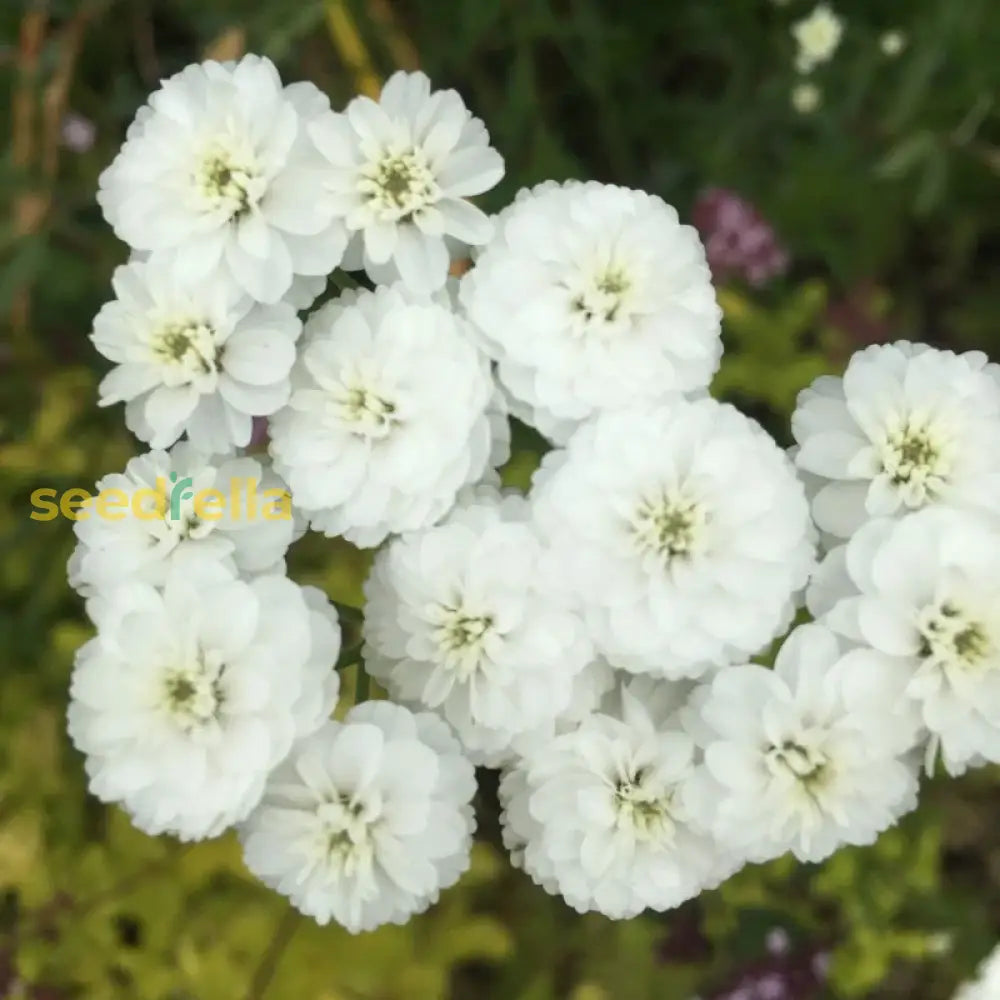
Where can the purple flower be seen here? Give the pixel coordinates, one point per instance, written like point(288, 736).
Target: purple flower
point(739, 242)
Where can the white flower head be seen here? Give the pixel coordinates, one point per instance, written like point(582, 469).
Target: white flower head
point(593, 297)
point(218, 173)
point(189, 696)
point(924, 592)
point(806, 757)
point(195, 357)
point(892, 43)
point(159, 510)
point(907, 426)
point(390, 416)
point(818, 37)
point(459, 619)
point(600, 815)
point(367, 820)
point(806, 98)
point(400, 171)
point(682, 532)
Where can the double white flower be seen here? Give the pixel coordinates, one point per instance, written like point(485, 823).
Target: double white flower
point(399, 171)
point(188, 696)
point(593, 297)
point(924, 595)
point(680, 530)
point(805, 757)
point(219, 174)
point(907, 427)
point(458, 618)
point(389, 416)
point(367, 820)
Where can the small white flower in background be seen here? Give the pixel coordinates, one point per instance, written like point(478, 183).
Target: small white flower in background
point(593, 297)
point(906, 427)
point(817, 37)
point(400, 171)
point(189, 696)
point(119, 544)
point(218, 174)
point(986, 984)
point(601, 815)
point(458, 618)
point(924, 593)
point(389, 416)
point(197, 358)
point(806, 98)
point(367, 820)
point(803, 758)
point(682, 532)
point(78, 132)
point(892, 43)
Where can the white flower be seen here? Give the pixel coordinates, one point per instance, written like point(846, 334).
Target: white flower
point(459, 618)
point(367, 820)
point(806, 98)
point(600, 815)
point(593, 297)
point(198, 356)
point(400, 171)
point(892, 43)
point(817, 37)
point(189, 696)
point(906, 426)
point(388, 418)
point(161, 512)
point(924, 591)
point(218, 173)
point(681, 530)
point(806, 757)
point(986, 984)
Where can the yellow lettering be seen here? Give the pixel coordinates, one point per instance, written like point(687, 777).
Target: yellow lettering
point(72, 503)
point(208, 505)
point(45, 507)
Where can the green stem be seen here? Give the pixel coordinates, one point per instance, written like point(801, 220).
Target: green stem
point(265, 971)
point(362, 684)
point(342, 280)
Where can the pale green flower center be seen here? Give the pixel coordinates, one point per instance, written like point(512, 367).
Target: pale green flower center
point(602, 299)
point(192, 695)
point(367, 412)
point(345, 837)
point(806, 764)
point(671, 526)
point(461, 637)
point(398, 185)
point(228, 183)
point(916, 461)
point(644, 809)
point(953, 639)
point(187, 348)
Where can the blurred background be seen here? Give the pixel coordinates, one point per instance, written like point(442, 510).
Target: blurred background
point(853, 204)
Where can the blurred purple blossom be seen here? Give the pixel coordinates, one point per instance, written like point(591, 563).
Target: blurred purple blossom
point(739, 242)
point(779, 977)
point(78, 132)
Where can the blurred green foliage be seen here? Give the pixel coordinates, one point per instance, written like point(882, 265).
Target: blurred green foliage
point(886, 198)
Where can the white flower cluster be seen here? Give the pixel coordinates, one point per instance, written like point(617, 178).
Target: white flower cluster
point(596, 639)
